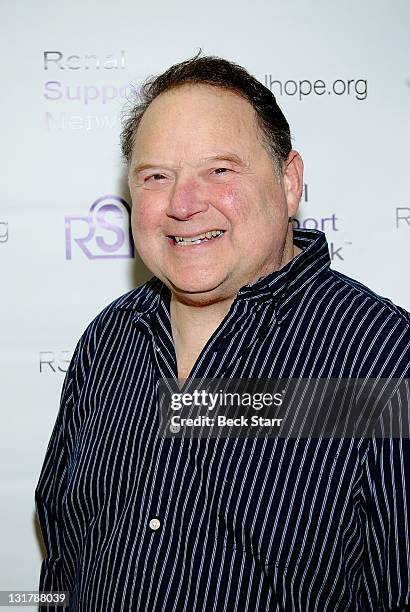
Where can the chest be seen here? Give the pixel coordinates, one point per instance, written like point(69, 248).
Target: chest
point(186, 360)
point(279, 501)
point(285, 503)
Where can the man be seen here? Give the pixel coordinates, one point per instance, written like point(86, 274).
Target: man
point(133, 520)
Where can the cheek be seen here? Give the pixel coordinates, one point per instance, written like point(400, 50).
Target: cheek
point(248, 205)
point(235, 201)
point(144, 214)
point(146, 219)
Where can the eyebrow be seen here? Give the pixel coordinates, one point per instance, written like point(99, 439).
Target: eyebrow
point(142, 167)
point(230, 157)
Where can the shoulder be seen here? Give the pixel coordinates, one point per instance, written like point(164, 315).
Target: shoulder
point(370, 330)
point(332, 296)
point(381, 305)
point(117, 315)
point(138, 299)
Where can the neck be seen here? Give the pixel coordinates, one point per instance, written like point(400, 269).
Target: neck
point(193, 325)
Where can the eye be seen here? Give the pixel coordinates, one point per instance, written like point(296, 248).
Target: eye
point(154, 177)
point(221, 174)
point(154, 181)
point(221, 170)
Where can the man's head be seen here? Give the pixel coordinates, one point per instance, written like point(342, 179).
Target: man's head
point(274, 129)
point(209, 150)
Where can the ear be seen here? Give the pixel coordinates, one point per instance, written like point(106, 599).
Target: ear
point(293, 181)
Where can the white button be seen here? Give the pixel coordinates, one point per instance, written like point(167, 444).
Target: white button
point(174, 428)
point(154, 524)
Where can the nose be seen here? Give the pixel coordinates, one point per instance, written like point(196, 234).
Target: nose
point(186, 199)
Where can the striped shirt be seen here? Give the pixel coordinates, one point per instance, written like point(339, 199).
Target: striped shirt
point(133, 521)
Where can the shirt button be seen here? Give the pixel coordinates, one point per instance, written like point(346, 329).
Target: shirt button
point(154, 524)
point(174, 428)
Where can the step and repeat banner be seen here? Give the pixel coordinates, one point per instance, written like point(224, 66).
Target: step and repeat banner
point(341, 74)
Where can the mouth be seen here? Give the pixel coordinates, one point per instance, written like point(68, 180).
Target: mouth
point(198, 239)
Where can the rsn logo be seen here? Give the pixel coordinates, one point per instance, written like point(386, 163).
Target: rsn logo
point(105, 233)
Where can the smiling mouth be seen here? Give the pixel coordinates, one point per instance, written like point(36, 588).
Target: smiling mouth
point(207, 236)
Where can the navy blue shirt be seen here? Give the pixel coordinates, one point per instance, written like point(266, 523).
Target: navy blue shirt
point(135, 521)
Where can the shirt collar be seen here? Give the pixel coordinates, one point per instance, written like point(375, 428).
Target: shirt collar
point(302, 269)
point(281, 286)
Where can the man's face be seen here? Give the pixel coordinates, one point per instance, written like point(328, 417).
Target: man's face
point(200, 173)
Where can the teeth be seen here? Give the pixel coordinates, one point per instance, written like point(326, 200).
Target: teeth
point(199, 238)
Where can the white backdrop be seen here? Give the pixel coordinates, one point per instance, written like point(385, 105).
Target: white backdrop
point(341, 74)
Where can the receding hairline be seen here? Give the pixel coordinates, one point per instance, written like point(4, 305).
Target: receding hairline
point(211, 86)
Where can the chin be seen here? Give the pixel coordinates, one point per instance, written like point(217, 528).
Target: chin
point(193, 288)
point(194, 291)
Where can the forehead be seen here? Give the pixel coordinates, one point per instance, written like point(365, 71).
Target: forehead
point(197, 115)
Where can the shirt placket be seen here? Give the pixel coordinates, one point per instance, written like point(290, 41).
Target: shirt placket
point(168, 471)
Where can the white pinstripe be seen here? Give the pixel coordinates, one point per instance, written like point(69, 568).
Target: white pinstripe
point(245, 524)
